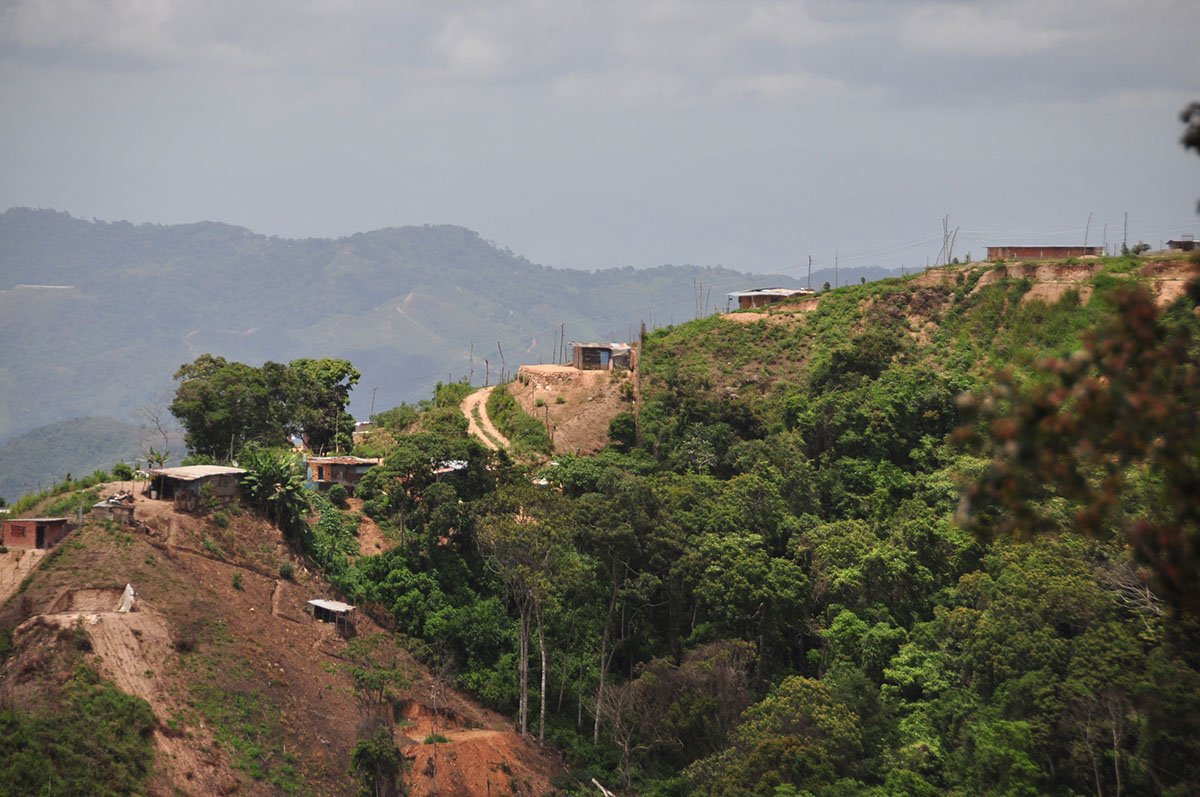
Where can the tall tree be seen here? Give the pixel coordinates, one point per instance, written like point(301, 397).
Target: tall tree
point(529, 547)
point(224, 405)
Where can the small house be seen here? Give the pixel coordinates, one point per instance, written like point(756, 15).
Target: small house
point(324, 472)
point(183, 485)
point(757, 297)
point(1042, 252)
point(1186, 243)
point(340, 614)
point(35, 532)
point(601, 356)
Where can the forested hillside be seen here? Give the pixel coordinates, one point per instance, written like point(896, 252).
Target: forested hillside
point(128, 304)
point(762, 586)
point(76, 447)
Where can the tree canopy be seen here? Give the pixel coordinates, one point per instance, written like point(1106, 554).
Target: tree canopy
point(223, 406)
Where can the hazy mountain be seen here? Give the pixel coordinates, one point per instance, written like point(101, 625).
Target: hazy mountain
point(46, 455)
point(96, 317)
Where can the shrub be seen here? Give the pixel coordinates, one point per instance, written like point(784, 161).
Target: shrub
point(375, 508)
point(560, 399)
point(122, 472)
point(286, 570)
point(237, 579)
point(337, 496)
point(435, 738)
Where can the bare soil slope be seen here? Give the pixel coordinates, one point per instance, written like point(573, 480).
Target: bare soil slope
point(246, 687)
point(578, 404)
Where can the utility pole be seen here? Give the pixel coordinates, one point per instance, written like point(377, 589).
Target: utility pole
point(1125, 235)
point(1087, 228)
point(809, 285)
point(835, 268)
point(373, 401)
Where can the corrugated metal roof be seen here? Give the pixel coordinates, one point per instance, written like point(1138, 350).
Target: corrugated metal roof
point(193, 472)
point(770, 292)
point(37, 519)
point(344, 460)
point(609, 346)
point(333, 606)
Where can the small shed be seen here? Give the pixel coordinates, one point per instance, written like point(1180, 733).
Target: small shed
point(117, 507)
point(601, 356)
point(757, 297)
point(324, 472)
point(1186, 243)
point(340, 614)
point(35, 532)
point(182, 485)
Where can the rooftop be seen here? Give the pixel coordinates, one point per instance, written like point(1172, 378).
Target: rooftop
point(332, 606)
point(193, 472)
point(770, 292)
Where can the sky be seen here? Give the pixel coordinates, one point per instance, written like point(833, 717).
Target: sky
point(614, 132)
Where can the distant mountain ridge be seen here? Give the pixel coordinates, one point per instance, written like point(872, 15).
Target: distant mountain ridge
point(409, 306)
point(45, 456)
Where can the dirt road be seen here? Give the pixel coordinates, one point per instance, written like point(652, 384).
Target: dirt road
point(482, 428)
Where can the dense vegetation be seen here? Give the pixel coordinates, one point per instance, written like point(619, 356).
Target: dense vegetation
point(767, 587)
point(766, 591)
point(80, 735)
point(225, 406)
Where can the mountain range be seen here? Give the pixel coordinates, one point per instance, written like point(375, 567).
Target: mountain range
point(96, 317)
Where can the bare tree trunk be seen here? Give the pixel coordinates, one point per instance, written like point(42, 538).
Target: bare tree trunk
point(612, 605)
point(562, 684)
point(579, 696)
point(523, 670)
point(1092, 753)
point(542, 649)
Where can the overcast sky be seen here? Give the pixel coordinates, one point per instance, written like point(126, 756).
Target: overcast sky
point(615, 132)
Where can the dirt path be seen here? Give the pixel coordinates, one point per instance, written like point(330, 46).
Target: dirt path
point(483, 428)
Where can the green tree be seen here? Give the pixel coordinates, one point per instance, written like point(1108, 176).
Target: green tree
point(799, 736)
point(274, 482)
point(527, 543)
point(224, 405)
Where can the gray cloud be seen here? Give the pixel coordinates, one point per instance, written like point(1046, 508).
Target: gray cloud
point(590, 133)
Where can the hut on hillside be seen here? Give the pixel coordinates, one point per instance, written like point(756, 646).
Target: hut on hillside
point(324, 472)
point(601, 356)
point(757, 297)
point(340, 614)
point(35, 532)
point(183, 485)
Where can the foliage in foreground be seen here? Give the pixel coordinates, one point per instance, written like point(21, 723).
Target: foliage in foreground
point(98, 740)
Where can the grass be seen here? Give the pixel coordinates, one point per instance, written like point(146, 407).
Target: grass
point(246, 724)
point(527, 434)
